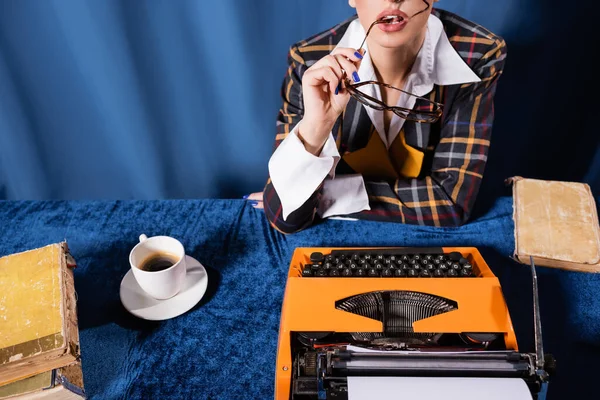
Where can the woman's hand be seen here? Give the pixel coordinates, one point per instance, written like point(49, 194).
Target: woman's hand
point(324, 95)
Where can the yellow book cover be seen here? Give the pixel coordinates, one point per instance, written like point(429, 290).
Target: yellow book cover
point(38, 316)
point(556, 223)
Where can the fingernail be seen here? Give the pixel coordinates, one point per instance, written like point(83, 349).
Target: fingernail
point(253, 202)
point(355, 76)
point(337, 89)
point(358, 55)
point(245, 196)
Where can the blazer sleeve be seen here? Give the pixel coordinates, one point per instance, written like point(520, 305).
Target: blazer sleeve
point(290, 114)
point(446, 197)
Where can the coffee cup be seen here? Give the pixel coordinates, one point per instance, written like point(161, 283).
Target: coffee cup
point(158, 265)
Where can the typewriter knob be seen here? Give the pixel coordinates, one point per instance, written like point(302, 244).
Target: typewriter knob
point(309, 338)
point(316, 257)
point(476, 337)
point(549, 364)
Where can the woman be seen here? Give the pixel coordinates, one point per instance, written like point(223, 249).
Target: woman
point(385, 116)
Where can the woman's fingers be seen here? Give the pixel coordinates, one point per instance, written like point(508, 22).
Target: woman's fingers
point(349, 67)
point(320, 76)
point(258, 196)
point(351, 54)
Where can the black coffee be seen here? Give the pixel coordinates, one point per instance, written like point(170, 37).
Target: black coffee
point(158, 261)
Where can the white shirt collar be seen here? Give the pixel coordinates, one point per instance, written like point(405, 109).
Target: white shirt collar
point(437, 63)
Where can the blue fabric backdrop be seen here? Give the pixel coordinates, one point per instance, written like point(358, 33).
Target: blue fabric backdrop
point(178, 99)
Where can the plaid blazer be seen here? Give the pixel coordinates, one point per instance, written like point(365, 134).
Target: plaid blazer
point(455, 147)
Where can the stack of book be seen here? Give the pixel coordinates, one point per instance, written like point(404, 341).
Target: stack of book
point(39, 335)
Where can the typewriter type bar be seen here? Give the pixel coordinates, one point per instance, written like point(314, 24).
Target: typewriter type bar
point(421, 323)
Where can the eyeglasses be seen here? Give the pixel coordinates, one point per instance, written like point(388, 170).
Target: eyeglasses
point(431, 115)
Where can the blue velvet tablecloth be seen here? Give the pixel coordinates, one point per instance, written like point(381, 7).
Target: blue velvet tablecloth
point(225, 347)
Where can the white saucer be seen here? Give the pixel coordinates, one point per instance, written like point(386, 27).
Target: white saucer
point(142, 305)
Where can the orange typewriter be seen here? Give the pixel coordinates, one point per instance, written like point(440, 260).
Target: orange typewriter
point(397, 312)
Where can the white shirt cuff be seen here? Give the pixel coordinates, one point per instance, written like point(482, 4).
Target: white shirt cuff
point(296, 173)
point(343, 195)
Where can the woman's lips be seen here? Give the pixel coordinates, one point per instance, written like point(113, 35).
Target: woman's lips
point(392, 20)
point(396, 25)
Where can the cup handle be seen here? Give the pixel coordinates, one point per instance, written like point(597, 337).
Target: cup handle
point(143, 237)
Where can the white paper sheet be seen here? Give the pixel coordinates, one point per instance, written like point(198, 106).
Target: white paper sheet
point(423, 388)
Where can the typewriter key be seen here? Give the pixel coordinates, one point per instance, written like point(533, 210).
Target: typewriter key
point(361, 272)
point(316, 257)
point(387, 273)
point(373, 272)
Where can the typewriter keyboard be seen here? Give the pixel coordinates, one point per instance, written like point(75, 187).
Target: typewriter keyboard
point(388, 264)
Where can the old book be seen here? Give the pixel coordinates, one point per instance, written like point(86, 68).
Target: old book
point(38, 316)
point(556, 223)
point(65, 383)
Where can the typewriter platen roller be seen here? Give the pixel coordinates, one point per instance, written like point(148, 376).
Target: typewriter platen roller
point(396, 312)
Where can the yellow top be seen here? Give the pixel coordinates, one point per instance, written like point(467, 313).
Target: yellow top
point(375, 161)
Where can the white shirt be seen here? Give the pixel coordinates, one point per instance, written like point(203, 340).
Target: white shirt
point(296, 173)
